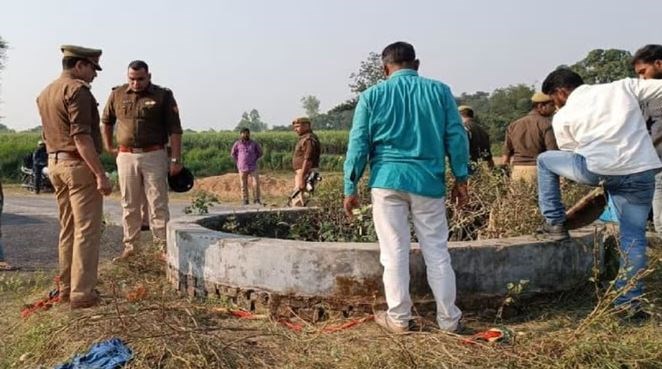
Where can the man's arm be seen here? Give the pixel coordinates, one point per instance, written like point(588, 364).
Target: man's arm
point(565, 139)
point(457, 148)
point(508, 149)
point(356, 158)
point(259, 150)
point(80, 115)
point(107, 136)
point(233, 152)
point(108, 119)
point(550, 140)
point(176, 153)
point(647, 90)
point(87, 151)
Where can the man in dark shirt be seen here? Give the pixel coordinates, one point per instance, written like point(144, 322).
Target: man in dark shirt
point(146, 118)
point(39, 161)
point(306, 157)
point(529, 136)
point(479, 140)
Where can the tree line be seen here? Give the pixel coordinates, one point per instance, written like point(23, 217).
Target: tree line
point(494, 110)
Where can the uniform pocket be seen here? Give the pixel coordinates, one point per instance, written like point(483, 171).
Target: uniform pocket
point(80, 174)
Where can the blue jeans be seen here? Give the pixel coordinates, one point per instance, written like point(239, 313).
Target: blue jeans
point(631, 195)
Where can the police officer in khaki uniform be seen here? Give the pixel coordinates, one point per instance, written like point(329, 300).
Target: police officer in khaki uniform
point(70, 121)
point(529, 136)
point(306, 157)
point(146, 117)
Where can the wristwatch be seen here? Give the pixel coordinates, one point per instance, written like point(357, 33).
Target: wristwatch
point(175, 161)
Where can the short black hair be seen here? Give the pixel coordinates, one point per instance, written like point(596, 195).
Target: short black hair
point(561, 78)
point(69, 62)
point(467, 113)
point(399, 53)
point(647, 54)
point(244, 130)
point(138, 65)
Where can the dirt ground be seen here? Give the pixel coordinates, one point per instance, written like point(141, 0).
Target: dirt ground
point(227, 188)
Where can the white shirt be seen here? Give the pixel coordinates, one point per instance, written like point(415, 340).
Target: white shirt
point(605, 125)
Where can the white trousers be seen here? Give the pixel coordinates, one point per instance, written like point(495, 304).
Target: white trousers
point(391, 210)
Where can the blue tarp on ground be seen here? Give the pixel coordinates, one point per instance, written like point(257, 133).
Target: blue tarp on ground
point(111, 354)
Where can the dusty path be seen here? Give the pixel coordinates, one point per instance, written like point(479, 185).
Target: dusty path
point(30, 228)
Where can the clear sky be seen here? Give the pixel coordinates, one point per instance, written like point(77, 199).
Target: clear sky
point(222, 58)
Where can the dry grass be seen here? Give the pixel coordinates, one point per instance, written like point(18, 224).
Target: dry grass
point(577, 329)
point(574, 330)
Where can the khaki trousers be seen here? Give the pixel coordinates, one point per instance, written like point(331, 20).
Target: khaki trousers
point(80, 206)
point(244, 176)
point(526, 173)
point(143, 175)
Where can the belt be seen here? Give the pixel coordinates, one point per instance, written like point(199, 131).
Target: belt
point(141, 149)
point(65, 155)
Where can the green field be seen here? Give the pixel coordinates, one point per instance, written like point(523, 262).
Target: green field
point(205, 153)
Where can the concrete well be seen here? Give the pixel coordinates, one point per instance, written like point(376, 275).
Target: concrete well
point(268, 273)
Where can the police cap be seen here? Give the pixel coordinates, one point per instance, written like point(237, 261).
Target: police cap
point(91, 55)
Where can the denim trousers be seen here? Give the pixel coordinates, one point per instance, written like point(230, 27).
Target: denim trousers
point(631, 196)
point(391, 210)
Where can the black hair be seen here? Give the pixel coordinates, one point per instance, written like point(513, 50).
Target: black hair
point(69, 62)
point(467, 113)
point(244, 130)
point(138, 65)
point(561, 78)
point(400, 53)
point(647, 54)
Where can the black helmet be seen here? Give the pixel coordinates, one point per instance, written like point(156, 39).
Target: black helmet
point(182, 182)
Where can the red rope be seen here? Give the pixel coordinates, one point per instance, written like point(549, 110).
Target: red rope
point(45, 303)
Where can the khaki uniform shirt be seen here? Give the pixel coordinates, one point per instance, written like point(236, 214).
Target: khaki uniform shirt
point(143, 118)
point(479, 142)
point(308, 148)
point(67, 108)
point(527, 137)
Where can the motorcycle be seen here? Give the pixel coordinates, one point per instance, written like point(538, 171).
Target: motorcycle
point(27, 180)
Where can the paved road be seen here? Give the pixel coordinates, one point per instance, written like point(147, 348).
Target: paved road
point(30, 228)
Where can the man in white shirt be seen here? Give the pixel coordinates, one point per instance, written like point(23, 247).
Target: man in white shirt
point(602, 136)
point(647, 63)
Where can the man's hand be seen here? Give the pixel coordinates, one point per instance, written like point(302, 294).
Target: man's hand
point(350, 203)
point(460, 194)
point(104, 185)
point(112, 151)
point(175, 168)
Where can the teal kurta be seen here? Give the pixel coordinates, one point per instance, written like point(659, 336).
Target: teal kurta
point(405, 127)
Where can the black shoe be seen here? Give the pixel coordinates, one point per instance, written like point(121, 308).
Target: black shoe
point(144, 227)
point(257, 202)
point(556, 232)
point(245, 202)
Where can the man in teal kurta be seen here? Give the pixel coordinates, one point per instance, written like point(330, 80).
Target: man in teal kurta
point(406, 127)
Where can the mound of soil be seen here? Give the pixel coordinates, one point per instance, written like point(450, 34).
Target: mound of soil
point(227, 186)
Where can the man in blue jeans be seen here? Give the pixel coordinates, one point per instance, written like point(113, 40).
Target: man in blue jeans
point(602, 136)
